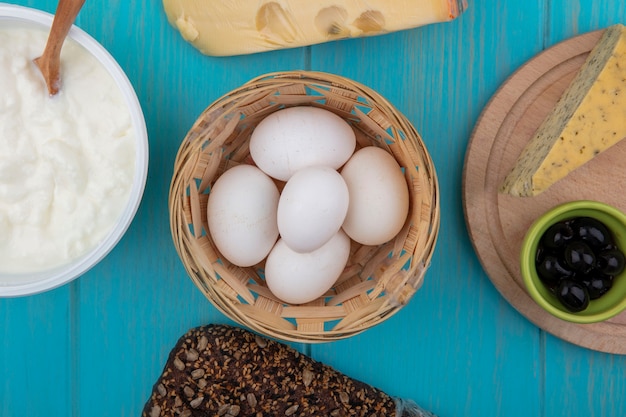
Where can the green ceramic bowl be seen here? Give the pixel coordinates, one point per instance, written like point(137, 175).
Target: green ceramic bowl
point(603, 308)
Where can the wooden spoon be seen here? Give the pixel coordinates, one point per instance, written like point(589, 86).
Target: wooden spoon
point(50, 60)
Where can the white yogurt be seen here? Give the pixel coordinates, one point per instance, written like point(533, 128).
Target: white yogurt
point(66, 162)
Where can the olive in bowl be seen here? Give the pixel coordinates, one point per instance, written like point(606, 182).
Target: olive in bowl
point(573, 264)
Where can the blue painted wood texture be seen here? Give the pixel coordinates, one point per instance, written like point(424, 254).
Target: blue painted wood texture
point(94, 347)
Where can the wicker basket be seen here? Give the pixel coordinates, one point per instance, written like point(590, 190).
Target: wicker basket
point(377, 281)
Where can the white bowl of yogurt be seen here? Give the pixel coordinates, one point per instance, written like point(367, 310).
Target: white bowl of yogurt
point(73, 167)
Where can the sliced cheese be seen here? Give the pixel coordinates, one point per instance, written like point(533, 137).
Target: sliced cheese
point(235, 27)
point(588, 119)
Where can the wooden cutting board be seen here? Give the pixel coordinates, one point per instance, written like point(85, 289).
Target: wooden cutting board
point(497, 222)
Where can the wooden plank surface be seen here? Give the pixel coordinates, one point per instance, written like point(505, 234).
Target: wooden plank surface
point(35, 354)
point(94, 347)
point(444, 74)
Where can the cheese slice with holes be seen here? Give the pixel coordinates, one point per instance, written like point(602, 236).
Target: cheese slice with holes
point(235, 27)
point(588, 119)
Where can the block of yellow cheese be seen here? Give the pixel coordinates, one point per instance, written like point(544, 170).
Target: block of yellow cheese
point(588, 119)
point(235, 27)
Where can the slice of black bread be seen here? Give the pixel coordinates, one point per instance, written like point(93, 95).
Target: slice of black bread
point(219, 370)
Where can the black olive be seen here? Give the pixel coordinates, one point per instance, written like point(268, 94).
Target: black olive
point(611, 261)
point(592, 231)
point(597, 284)
point(572, 295)
point(557, 235)
point(579, 257)
point(551, 269)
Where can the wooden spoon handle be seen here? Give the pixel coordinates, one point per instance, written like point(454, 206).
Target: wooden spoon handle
point(50, 60)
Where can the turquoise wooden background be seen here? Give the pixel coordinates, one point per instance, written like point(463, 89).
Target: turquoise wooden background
point(94, 347)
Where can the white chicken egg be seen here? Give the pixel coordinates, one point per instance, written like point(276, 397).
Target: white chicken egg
point(297, 137)
point(241, 214)
point(299, 278)
point(379, 196)
point(312, 208)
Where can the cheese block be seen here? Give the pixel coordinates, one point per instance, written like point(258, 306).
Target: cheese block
point(588, 119)
point(235, 27)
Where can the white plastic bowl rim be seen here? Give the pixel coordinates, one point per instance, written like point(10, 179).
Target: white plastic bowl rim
point(12, 285)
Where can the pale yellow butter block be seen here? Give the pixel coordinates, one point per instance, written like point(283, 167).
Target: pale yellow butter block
point(237, 27)
point(588, 119)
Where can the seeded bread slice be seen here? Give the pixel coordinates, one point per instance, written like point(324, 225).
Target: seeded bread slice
point(226, 371)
